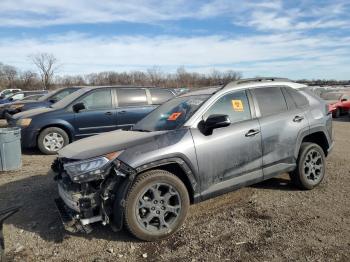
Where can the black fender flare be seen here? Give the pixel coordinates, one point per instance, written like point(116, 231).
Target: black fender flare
point(173, 160)
point(302, 134)
point(305, 133)
point(123, 187)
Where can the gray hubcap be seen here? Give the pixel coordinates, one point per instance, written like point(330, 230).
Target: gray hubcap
point(53, 141)
point(158, 207)
point(313, 166)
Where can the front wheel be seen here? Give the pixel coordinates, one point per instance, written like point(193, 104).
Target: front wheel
point(52, 139)
point(310, 169)
point(2, 254)
point(156, 205)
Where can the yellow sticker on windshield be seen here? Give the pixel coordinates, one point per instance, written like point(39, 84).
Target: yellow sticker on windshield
point(237, 105)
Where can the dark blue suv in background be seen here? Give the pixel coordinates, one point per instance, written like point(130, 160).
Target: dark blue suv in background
point(86, 112)
point(47, 100)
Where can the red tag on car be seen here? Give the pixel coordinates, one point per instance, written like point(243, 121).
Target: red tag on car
point(174, 116)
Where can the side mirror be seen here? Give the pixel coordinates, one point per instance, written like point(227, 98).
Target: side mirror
point(78, 107)
point(213, 122)
point(52, 101)
point(343, 100)
point(11, 99)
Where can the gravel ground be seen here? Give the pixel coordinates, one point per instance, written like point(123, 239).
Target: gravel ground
point(271, 221)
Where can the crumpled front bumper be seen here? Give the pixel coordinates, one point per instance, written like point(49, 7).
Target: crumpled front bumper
point(71, 222)
point(76, 211)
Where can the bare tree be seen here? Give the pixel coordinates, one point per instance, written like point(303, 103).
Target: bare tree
point(29, 80)
point(10, 74)
point(47, 65)
point(155, 75)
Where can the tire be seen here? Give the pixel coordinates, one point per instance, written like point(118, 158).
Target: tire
point(336, 113)
point(2, 253)
point(144, 208)
point(2, 244)
point(310, 169)
point(59, 139)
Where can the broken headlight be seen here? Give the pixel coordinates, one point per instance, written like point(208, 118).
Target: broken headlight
point(90, 169)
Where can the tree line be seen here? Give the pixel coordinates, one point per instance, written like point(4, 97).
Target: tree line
point(46, 77)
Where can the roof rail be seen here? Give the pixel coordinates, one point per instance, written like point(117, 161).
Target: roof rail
point(258, 79)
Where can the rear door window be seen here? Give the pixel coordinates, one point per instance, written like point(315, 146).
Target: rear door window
point(131, 97)
point(299, 100)
point(270, 100)
point(289, 99)
point(235, 105)
point(159, 96)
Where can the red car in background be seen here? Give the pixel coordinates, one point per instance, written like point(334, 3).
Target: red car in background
point(338, 102)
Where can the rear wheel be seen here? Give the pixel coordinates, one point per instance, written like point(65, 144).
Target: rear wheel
point(52, 139)
point(156, 205)
point(310, 169)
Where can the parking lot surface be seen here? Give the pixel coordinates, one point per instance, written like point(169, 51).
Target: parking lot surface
point(269, 221)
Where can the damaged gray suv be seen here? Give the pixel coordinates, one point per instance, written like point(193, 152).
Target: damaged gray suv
point(192, 148)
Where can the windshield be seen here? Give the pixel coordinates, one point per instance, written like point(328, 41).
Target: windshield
point(14, 95)
point(48, 95)
point(57, 95)
point(8, 93)
point(69, 99)
point(172, 114)
point(5, 92)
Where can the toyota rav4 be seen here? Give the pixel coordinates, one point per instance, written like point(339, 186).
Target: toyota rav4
point(192, 148)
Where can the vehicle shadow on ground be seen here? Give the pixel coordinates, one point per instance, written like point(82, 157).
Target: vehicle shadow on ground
point(277, 183)
point(38, 214)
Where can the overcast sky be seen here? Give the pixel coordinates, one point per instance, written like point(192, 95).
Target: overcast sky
point(296, 38)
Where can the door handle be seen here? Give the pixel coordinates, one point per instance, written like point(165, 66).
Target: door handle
point(108, 113)
point(298, 118)
point(122, 112)
point(252, 132)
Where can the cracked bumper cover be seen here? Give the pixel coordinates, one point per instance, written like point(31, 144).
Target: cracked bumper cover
point(76, 211)
point(72, 223)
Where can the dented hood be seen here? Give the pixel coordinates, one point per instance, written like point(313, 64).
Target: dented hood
point(105, 143)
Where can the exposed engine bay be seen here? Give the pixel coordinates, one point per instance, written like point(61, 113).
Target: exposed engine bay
point(93, 196)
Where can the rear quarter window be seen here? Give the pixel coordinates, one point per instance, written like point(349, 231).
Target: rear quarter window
point(160, 96)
